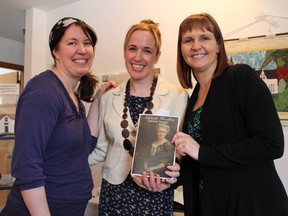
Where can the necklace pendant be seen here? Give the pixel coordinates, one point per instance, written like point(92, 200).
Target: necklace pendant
point(131, 151)
point(133, 133)
point(124, 124)
point(127, 144)
point(149, 105)
point(125, 133)
point(148, 112)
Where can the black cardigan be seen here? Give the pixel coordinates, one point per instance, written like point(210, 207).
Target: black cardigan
point(242, 135)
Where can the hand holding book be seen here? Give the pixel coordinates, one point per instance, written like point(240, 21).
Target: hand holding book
point(154, 182)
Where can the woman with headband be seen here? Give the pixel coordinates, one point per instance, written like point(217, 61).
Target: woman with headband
point(52, 134)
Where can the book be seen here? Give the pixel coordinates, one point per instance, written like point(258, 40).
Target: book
point(153, 149)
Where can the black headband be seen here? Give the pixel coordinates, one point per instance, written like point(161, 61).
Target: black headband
point(60, 27)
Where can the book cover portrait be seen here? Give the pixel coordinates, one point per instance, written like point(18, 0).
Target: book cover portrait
point(153, 149)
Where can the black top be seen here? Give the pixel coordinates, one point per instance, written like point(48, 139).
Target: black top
point(241, 136)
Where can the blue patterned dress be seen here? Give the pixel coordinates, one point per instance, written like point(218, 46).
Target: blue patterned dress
point(128, 198)
point(194, 130)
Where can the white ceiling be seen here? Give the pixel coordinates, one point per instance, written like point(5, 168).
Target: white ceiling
point(12, 15)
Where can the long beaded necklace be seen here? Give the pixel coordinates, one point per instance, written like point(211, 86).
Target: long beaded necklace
point(124, 123)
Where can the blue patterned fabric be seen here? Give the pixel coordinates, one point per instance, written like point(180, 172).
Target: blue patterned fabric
point(194, 126)
point(194, 130)
point(137, 106)
point(128, 198)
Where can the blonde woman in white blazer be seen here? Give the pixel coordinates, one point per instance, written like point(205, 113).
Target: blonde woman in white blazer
point(122, 194)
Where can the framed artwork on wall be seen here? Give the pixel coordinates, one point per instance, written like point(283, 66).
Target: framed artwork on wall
point(268, 55)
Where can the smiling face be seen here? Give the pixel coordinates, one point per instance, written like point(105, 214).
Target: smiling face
point(199, 49)
point(140, 55)
point(74, 53)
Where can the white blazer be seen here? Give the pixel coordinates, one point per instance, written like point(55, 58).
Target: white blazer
point(168, 98)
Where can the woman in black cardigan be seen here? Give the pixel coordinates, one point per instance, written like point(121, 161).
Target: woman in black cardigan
point(231, 134)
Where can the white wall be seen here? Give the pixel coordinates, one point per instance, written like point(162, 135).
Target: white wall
point(36, 43)
point(112, 18)
point(11, 51)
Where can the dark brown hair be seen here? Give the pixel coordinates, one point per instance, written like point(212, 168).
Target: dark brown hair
point(201, 21)
point(88, 82)
point(59, 29)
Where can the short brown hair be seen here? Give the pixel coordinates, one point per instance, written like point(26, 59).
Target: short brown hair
point(202, 21)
